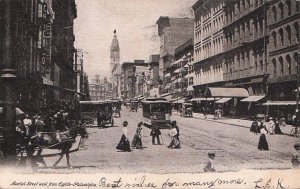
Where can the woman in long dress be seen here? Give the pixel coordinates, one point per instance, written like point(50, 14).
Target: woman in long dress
point(137, 139)
point(124, 144)
point(263, 144)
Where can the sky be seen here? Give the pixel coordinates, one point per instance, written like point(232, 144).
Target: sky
point(135, 23)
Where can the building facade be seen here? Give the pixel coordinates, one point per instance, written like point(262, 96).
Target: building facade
point(208, 45)
point(100, 89)
point(172, 32)
point(153, 80)
point(132, 77)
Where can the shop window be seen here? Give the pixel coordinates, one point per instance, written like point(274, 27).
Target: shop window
point(281, 10)
point(289, 64)
point(288, 3)
point(281, 66)
point(296, 26)
point(281, 36)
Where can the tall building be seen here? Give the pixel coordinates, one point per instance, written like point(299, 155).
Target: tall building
point(208, 44)
point(114, 55)
point(172, 32)
point(100, 89)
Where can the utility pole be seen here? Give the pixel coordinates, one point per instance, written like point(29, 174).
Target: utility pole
point(8, 79)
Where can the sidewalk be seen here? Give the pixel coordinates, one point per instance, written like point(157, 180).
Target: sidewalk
point(233, 121)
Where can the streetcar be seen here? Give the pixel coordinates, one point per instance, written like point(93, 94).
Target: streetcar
point(90, 109)
point(157, 111)
point(187, 110)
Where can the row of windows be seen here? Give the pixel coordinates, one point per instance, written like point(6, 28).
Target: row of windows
point(237, 8)
point(278, 65)
point(278, 10)
point(289, 32)
point(209, 75)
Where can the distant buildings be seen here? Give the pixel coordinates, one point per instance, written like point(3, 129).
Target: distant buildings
point(100, 89)
point(133, 78)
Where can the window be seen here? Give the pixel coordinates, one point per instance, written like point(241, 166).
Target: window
point(281, 66)
point(288, 3)
point(281, 36)
point(274, 13)
point(289, 64)
point(289, 34)
point(281, 10)
point(296, 25)
point(274, 39)
point(296, 59)
point(274, 67)
point(261, 65)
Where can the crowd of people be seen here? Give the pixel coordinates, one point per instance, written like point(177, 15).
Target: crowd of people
point(264, 127)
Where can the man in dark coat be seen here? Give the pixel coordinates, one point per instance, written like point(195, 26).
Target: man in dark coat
point(155, 132)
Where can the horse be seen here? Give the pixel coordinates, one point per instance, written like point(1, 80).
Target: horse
point(62, 141)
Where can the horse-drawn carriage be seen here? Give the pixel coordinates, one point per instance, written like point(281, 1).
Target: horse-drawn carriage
point(187, 110)
point(134, 105)
point(97, 113)
point(50, 144)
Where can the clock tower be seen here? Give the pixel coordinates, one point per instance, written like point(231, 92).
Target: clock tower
point(114, 55)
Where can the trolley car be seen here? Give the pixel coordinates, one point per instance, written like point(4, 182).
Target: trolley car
point(157, 111)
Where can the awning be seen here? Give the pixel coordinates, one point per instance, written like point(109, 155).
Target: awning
point(188, 76)
point(205, 99)
point(228, 92)
point(186, 66)
point(168, 75)
point(181, 101)
point(253, 98)
point(166, 94)
point(190, 88)
point(222, 100)
point(279, 103)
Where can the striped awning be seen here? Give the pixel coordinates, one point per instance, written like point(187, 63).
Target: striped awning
point(228, 92)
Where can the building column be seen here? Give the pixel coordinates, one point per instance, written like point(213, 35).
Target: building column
point(8, 79)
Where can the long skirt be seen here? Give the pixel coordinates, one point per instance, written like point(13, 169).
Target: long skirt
point(277, 129)
point(124, 144)
point(263, 144)
point(136, 142)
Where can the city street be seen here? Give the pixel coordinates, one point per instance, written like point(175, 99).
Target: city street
point(235, 148)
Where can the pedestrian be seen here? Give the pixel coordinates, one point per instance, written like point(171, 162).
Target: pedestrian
point(209, 165)
point(137, 139)
point(155, 133)
point(205, 112)
point(124, 144)
point(99, 120)
point(277, 129)
point(173, 133)
point(40, 125)
point(174, 124)
point(271, 126)
point(254, 127)
point(263, 144)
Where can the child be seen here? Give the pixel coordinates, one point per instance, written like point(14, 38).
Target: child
point(209, 166)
